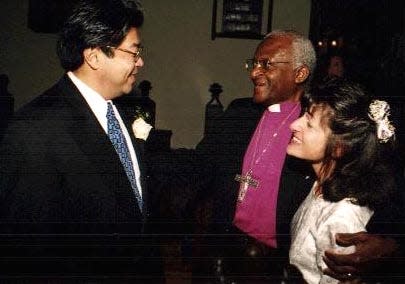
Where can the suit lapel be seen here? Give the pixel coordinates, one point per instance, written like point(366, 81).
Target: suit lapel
point(96, 146)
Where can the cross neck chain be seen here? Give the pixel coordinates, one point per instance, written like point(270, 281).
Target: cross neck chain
point(255, 160)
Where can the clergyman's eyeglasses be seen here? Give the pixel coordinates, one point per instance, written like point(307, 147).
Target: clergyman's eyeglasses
point(266, 64)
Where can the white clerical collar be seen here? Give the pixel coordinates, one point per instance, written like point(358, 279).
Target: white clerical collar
point(274, 108)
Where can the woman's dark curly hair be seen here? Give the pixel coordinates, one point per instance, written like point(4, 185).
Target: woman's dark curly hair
point(355, 164)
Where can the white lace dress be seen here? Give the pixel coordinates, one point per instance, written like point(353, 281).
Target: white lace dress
point(312, 232)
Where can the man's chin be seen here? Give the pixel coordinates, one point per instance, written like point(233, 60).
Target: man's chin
point(263, 100)
point(128, 88)
point(258, 97)
point(256, 100)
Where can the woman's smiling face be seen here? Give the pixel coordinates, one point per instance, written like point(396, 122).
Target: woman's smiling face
point(310, 135)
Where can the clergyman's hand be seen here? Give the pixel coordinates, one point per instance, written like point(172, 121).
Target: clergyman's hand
point(370, 252)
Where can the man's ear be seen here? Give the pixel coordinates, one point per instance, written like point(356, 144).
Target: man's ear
point(92, 57)
point(301, 74)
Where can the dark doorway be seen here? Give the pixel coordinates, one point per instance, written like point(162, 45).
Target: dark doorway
point(370, 33)
point(371, 36)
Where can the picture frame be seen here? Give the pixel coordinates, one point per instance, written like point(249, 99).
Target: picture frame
point(245, 19)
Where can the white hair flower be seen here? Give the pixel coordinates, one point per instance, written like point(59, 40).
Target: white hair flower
point(378, 112)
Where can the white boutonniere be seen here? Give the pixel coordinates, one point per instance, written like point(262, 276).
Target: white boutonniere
point(141, 128)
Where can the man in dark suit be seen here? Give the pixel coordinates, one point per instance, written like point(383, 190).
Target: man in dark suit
point(73, 196)
point(246, 245)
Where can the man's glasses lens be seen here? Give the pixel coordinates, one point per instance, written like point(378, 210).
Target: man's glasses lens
point(250, 64)
point(136, 54)
point(266, 64)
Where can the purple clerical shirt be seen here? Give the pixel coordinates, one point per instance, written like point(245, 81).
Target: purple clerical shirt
point(264, 158)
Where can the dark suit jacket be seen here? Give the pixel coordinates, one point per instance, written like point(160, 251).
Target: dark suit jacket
point(64, 187)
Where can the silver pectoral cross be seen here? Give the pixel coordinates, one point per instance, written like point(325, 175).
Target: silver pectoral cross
point(245, 181)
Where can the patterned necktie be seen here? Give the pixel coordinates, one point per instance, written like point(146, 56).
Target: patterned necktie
point(120, 144)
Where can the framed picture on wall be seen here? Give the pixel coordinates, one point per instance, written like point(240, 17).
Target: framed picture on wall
point(249, 19)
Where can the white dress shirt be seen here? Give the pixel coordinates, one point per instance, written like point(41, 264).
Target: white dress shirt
point(98, 106)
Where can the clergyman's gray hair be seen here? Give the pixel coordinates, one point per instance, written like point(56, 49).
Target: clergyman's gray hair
point(303, 50)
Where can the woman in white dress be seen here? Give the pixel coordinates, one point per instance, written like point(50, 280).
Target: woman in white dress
point(342, 134)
